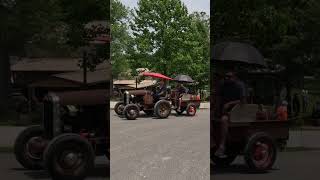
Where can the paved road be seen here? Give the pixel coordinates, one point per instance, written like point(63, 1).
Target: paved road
point(176, 148)
point(8, 135)
point(298, 165)
point(300, 162)
point(10, 169)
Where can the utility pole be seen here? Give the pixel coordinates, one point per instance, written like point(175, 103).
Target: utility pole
point(84, 66)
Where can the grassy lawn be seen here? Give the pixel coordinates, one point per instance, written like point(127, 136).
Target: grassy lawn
point(6, 149)
point(296, 149)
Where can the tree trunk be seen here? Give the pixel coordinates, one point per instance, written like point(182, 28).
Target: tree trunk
point(4, 79)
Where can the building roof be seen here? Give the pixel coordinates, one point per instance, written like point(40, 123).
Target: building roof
point(51, 64)
point(98, 76)
point(54, 82)
point(124, 82)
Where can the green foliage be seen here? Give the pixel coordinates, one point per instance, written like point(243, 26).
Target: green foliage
point(285, 31)
point(169, 40)
point(77, 13)
point(27, 21)
point(120, 39)
point(54, 26)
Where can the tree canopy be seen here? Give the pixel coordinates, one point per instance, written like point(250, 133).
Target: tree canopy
point(284, 31)
point(44, 28)
point(164, 37)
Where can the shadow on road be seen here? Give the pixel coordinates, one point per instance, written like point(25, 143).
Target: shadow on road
point(100, 171)
point(234, 169)
point(143, 116)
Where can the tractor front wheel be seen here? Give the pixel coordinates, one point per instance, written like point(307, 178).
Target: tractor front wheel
point(69, 157)
point(131, 111)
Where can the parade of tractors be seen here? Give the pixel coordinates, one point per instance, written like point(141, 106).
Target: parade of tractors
point(159, 101)
point(73, 131)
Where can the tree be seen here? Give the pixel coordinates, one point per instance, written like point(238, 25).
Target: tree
point(284, 31)
point(169, 40)
point(159, 30)
point(77, 13)
point(53, 28)
point(22, 22)
point(198, 50)
point(120, 39)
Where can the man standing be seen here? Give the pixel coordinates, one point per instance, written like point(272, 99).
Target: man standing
point(230, 94)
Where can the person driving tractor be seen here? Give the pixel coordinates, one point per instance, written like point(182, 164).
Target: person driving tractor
point(230, 94)
point(161, 90)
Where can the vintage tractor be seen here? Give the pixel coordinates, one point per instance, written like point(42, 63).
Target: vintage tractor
point(135, 101)
point(74, 130)
point(187, 101)
point(142, 100)
point(257, 140)
point(253, 131)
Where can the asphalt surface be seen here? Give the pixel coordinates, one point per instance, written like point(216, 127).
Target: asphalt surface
point(300, 161)
point(173, 149)
point(299, 165)
point(176, 148)
point(11, 169)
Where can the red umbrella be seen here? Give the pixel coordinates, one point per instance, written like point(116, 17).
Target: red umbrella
point(156, 75)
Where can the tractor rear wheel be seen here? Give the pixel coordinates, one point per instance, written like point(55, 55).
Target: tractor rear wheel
point(162, 109)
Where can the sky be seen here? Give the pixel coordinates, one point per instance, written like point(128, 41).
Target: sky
point(192, 5)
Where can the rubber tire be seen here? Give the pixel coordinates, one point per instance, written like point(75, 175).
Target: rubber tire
point(222, 162)
point(248, 152)
point(195, 109)
point(61, 143)
point(148, 112)
point(20, 150)
point(130, 107)
point(157, 109)
point(116, 108)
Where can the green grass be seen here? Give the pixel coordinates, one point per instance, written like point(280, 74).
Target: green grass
point(301, 148)
point(7, 123)
point(6, 149)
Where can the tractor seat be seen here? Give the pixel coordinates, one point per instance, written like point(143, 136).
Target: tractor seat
point(244, 113)
point(186, 97)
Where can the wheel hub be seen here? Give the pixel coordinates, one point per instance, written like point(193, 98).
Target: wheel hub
point(121, 108)
point(163, 109)
point(132, 112)
point(261, 153)
point(35, 147)
point(191, 110)
point(70, 159)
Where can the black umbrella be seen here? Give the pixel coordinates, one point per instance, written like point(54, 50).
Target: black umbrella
point(237, 52)
point(184, 78)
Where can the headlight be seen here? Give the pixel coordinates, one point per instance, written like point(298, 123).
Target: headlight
point(132, 96)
